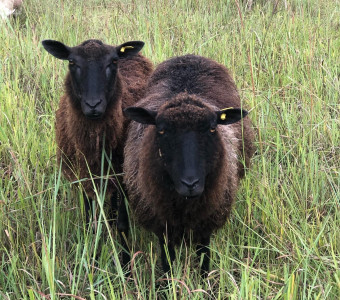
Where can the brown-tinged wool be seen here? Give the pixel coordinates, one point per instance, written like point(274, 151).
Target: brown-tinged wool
point(80, 140)
point(185, 90)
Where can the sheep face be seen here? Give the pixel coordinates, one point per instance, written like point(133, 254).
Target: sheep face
point(93, 68)
point(187, 136)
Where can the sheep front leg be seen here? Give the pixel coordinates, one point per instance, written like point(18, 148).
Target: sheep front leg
point(113, 210)
point(88, 208)
point(203, 249)
point(123, 229)
point(163, 242)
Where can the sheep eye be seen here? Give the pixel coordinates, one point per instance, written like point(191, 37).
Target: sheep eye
point(114, 61)
point(161, 131)
point(71, 62)
point(212, 130)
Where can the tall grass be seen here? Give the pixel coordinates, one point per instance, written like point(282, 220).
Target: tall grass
point(283, 238)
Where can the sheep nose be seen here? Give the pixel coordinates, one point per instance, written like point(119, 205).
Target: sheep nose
point(91, 105)
point(191, 183)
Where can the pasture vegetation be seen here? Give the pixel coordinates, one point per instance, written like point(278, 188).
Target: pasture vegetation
point(283, 239)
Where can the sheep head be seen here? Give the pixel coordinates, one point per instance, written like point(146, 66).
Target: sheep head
point(93, 69)
point(188, 140)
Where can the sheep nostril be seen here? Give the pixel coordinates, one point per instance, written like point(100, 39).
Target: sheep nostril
point(190, 183)
point(91, 105)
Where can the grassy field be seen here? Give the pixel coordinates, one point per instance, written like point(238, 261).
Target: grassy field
point(283, 239)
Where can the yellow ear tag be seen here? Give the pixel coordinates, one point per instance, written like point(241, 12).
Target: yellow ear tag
point(126, 47)
point(224, 116)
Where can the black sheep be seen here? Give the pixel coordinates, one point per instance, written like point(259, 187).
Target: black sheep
point(182, 172)
point(101, 82)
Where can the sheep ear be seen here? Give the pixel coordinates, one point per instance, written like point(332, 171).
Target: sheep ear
point(141, 115)
point(230, 115)
point(57, 49)
point(129, 48)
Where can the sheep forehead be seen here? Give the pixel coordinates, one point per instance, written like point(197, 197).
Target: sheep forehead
point(186, 112)
point(93, 50)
